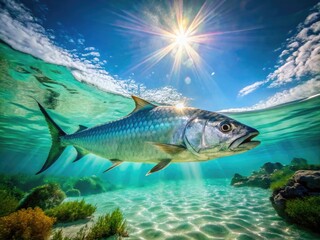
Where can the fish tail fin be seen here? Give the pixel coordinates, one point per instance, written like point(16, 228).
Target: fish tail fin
point(56, 148)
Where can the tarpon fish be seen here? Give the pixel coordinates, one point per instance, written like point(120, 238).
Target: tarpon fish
point(155, 134)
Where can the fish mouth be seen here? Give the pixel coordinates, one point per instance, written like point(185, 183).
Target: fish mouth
point(244, 143)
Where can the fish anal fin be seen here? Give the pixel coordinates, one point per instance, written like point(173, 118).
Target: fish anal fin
point(141, 104)
point(170, 149)
point(81, 128)
point(115, 163)
point(80, 153)
point(161, 165)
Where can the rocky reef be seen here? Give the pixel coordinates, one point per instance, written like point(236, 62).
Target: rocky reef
point(30, 205)
point(18, 185)
point(89, 185)
point(272, 175)
point(299, 200)
point(296, 190)
point(45, 196)
point(261, 178)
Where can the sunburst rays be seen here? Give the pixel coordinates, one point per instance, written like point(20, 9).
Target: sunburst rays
point(181, 32)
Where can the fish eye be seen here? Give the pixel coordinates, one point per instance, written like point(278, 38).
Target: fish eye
point(225, 127)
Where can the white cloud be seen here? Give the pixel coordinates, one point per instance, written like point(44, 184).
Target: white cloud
point(89, 49)
point(300, 58)
point(293, 45)
point(81, 41)
point(248, 89)
point(303, 59)
point(24, 33)
point(95, 54)
point(311, 18)
point(302, 91)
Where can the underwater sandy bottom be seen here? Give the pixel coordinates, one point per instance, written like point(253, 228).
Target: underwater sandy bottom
point(208, 209)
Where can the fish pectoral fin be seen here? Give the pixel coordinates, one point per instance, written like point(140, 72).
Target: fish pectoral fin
point(81, 128)
point(169, 148)
point(115, 163)
point(80, 153)
point(161, 165)
point(141, 103)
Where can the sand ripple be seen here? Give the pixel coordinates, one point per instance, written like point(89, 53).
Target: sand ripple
point(198, 210)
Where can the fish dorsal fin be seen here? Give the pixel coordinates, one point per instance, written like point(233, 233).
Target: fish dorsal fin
point(141, 104)
point(81, 128)
point(170, 149)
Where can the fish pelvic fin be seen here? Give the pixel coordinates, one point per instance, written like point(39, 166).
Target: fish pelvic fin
point(80, 153)
point(115, 163)
point(56, 147)
point(161, 165)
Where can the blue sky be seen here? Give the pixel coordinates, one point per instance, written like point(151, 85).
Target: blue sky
point(252, 54)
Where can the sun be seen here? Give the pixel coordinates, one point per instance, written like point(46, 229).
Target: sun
point(181, 32)
point(181, 39)
point(180, 105)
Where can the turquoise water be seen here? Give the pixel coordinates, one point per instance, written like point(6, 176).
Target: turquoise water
point(191, 200)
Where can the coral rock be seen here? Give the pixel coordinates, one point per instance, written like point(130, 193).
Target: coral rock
point(311, 179)
point(303, 185)
point(45, 197)
point(299, 161)
point(270, 167)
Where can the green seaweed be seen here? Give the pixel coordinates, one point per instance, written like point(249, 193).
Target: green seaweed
point(71, 211)
point(57, 235)
point(280, 178)
point(81, 235)
point(106, 226)
point(8, 203)
point(45, 196)
point(9, 186)
point(305, 211)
